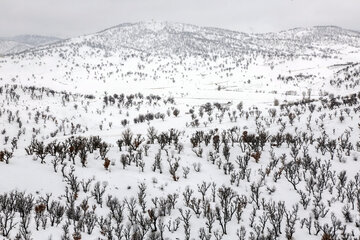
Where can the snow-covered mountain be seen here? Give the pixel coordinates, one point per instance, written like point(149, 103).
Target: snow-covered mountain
point(176, 38)
point(10, 45)
point(34, 40)
point(165, 55)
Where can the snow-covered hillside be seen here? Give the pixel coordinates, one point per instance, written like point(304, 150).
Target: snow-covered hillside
point(21, 43)
point(8, 46)
point(181, 57)
point(158, 130)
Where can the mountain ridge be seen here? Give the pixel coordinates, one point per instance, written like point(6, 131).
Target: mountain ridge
point(168, 38)
point(166, 55)
point(20, 43)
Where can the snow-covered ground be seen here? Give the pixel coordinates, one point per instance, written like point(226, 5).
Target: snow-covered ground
point(252, 136)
